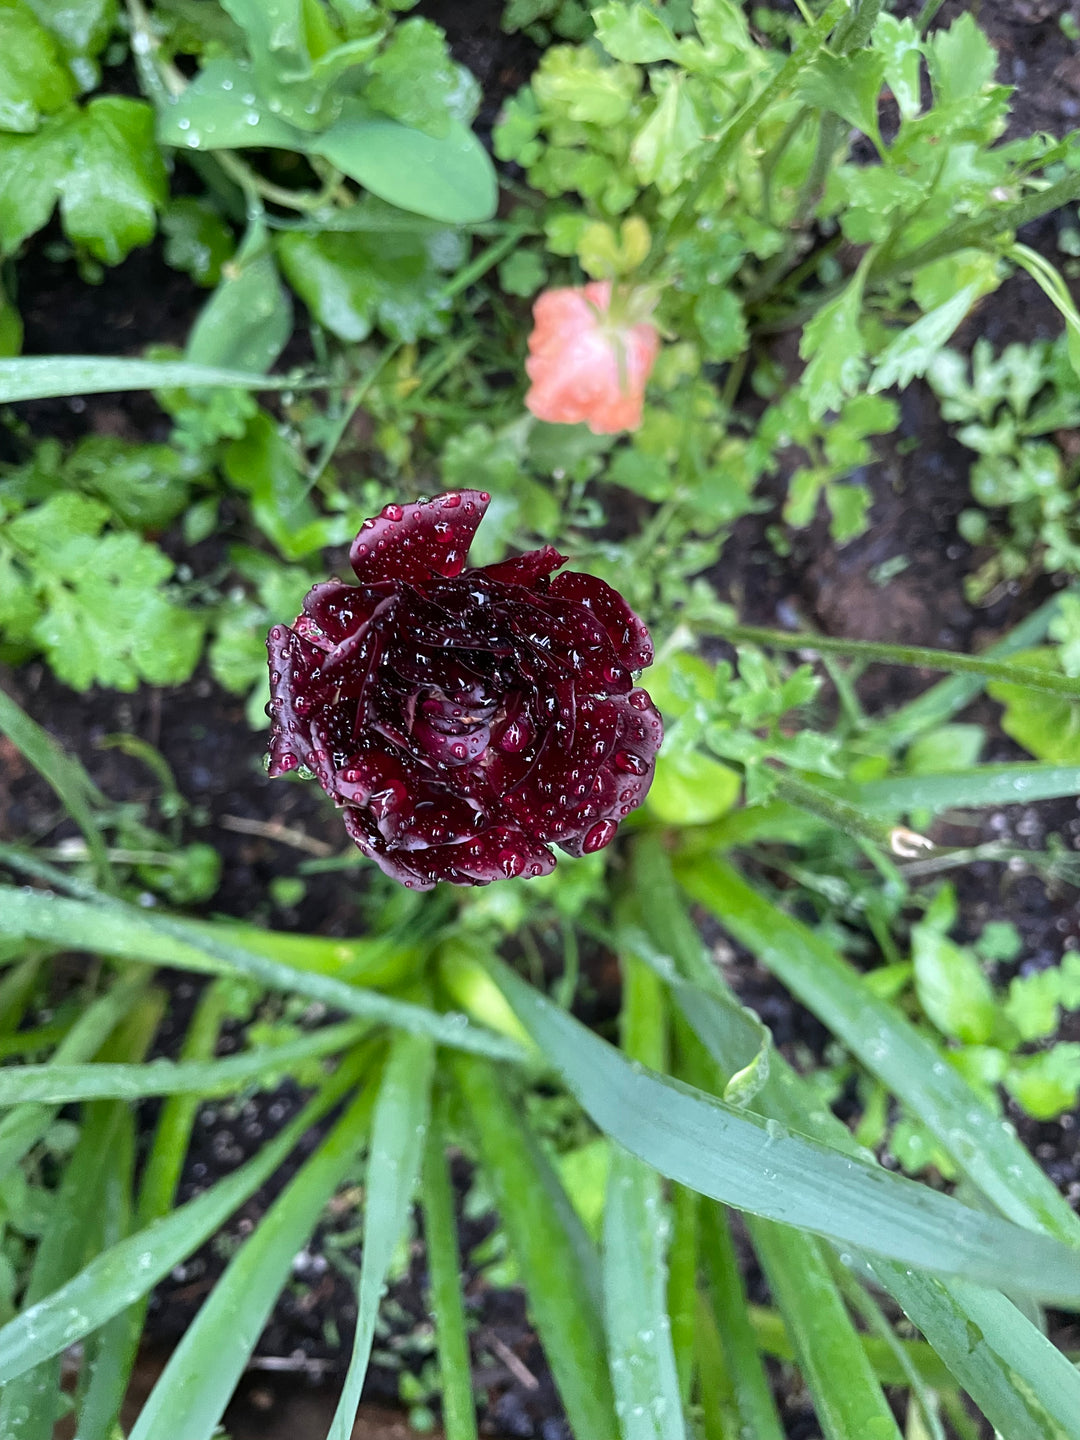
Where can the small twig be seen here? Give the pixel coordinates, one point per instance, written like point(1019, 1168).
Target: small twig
point(517, 1367)
point(276, 830)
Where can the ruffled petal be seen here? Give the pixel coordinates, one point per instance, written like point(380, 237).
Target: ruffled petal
point(416, 544)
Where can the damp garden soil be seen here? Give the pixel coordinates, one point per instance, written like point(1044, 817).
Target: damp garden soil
point(264, 831)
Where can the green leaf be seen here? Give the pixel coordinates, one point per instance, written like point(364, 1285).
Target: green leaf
point(448, 178)
point(393, 1168)
point(981, 786)
point(848, 85)
point(576, 84)
point(549, 1244)
point(1047, 1084)
point(39, 377)
point(692, 789)
point(197, 240)
point(949, 747)
point(912, 351)
point(118, 1276)
point(351, 283)
point(219, 110)
point(952, 989)
point(31, 168)
point(59, 1084)
point(739, 1158)
point(413, 79)
point(898, 41)
point(1047, 726)
point(33, 78)
point(247, 321)
point(117, 929)
point(82, 27)
point(115, 179)
point(197, 1383)
point(634, 32)
point(962, 62)
point(718, 314)
point(890, 1047)
point(635, 1289)
point(833, 344)
point(662, 150)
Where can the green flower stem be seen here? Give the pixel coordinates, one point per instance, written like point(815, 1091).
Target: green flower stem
point(927, 14)
point(834, 811)
point(916, 656)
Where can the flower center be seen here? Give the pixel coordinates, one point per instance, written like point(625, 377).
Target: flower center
point(454, 729)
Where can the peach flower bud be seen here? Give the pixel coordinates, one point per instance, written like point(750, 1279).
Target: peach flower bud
point(589, 358)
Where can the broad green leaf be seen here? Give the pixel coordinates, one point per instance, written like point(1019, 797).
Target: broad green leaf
point(691, 788)
point(949, 747)
point(34, 377)
point(953, 991)
point(188, 1400)
point(31, 169)
point(34, 80)
point(82, 28)
point(913, 350)
point(634, 33)
point(115, 179)
point(393, 1169)
point(833, 344)
point(219, 110)
point(265, 464)
point(118, 929)
point(889, 1046)
point(549, 1245)
point(60, 1084)
point(354, 282)
point(739, 1158)
point(662, 151)
point(247, 321)
point(117, 1277)
point(449, 178)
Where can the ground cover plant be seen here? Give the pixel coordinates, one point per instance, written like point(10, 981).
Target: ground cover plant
point(766, 1088)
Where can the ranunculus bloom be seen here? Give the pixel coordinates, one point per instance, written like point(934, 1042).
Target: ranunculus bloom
point(464, 720)
point(586, 362)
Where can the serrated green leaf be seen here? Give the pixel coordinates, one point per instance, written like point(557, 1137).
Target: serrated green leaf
point(82, 28)
point(912, 351)
point(962, 61)
point(634, 32)
point(1047, 726)
point(413, 79)
point(898, 41)
point(848, 85)
point(833, 344)
point(662, 149)
point(1047, 1084)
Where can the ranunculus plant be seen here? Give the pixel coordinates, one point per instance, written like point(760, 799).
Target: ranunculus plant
point(591, 352)
point(464, 719)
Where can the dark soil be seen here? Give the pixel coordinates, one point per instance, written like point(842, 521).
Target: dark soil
point(263, 830)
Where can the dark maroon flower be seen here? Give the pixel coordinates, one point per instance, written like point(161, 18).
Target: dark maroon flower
point(464, 720)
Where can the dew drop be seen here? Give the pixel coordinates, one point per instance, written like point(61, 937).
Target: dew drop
point(451, 501)
point(442, 532)
point(629, 763)
point(361, 551)
point(639, 699)
point(392, 512)
point(302, 704)
point(515, 737)
point(600, 835)
point(453, 562)
point(510, 863)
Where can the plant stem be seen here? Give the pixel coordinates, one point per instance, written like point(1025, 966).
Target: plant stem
point(927, 14)
point(917, 656)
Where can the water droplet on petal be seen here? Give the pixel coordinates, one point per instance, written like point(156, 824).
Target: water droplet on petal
point(451, 501)
point(600, 835)
point(510, 862)
point(639, 699)
point(515, 737)
point(453, 562)
point(629, 763)
point(392, 512)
